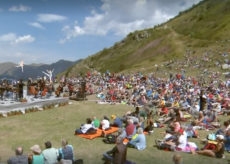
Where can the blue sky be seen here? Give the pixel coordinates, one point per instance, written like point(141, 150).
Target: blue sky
point(45, 31)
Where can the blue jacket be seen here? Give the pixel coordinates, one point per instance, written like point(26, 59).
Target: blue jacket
point(139, 141)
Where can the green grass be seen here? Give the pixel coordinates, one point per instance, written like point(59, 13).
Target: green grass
point(60, 123)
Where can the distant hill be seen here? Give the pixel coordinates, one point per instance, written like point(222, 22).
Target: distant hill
point(6, 66)
point(202, 28)
point(34, 70)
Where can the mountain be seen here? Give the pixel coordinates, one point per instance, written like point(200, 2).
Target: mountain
point(203, 28)
point(6, 66)
point(35, 70)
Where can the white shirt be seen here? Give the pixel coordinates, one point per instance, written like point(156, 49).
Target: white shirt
point(86, 127)
point(105, 124)
point(197, 108)
point(182, 141)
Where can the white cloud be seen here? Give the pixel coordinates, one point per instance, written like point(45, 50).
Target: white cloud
point(20, 8)
point(8, 37)
point(37, 25)
point(50, 18)
point(122, 17)
point(23, 39)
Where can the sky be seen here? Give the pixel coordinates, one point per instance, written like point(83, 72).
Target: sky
point(45, 31)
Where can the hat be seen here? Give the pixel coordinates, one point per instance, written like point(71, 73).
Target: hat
point(181, 131)
point(36, 148)
point(220, 137)
point(113, 117)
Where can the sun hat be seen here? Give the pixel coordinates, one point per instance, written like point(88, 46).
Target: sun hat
point(113, 117)
point(36, 149)
point(220, 137)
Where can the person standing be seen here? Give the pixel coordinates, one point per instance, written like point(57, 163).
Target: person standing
point(70, 87)
point(202, 100)
point(28, 85)
point(20, 88)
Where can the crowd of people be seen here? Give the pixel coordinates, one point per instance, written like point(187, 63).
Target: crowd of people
point(174, 100)
point(50, 155)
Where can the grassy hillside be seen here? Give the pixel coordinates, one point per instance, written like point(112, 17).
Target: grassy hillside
point(202, 28)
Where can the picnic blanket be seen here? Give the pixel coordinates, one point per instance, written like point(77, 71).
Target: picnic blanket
point(98, 134)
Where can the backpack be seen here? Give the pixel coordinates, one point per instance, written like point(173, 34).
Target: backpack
point(91, 131)
point(210, 146)
point(111, 139)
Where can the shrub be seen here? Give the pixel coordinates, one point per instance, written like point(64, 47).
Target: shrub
point(121, 67)
point(201, 17)
point(130, 34)
point(152, 60)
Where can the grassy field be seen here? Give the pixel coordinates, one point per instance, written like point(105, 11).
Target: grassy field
point(60, 123)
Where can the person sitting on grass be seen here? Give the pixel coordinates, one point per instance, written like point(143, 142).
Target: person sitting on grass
point(130, 129)
point(95, 123)
point(84, 127)
point(175, 104)
point(174, 143)
point(217, 153)
point(118, 154)
point(136, 113)
point(191, 130)
point(169, 119)
point(66, 152)
point(174, 127)
point(184, 105)
point(19, 158)
point(194, 110)
point(140, 141)
point(163, 111)
point(180, 115)
point(225, 129)
point(227, 141)
point(36, 157)
point(117, 121)
point(205, 121)
point(105, 123)
point(50, 154)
